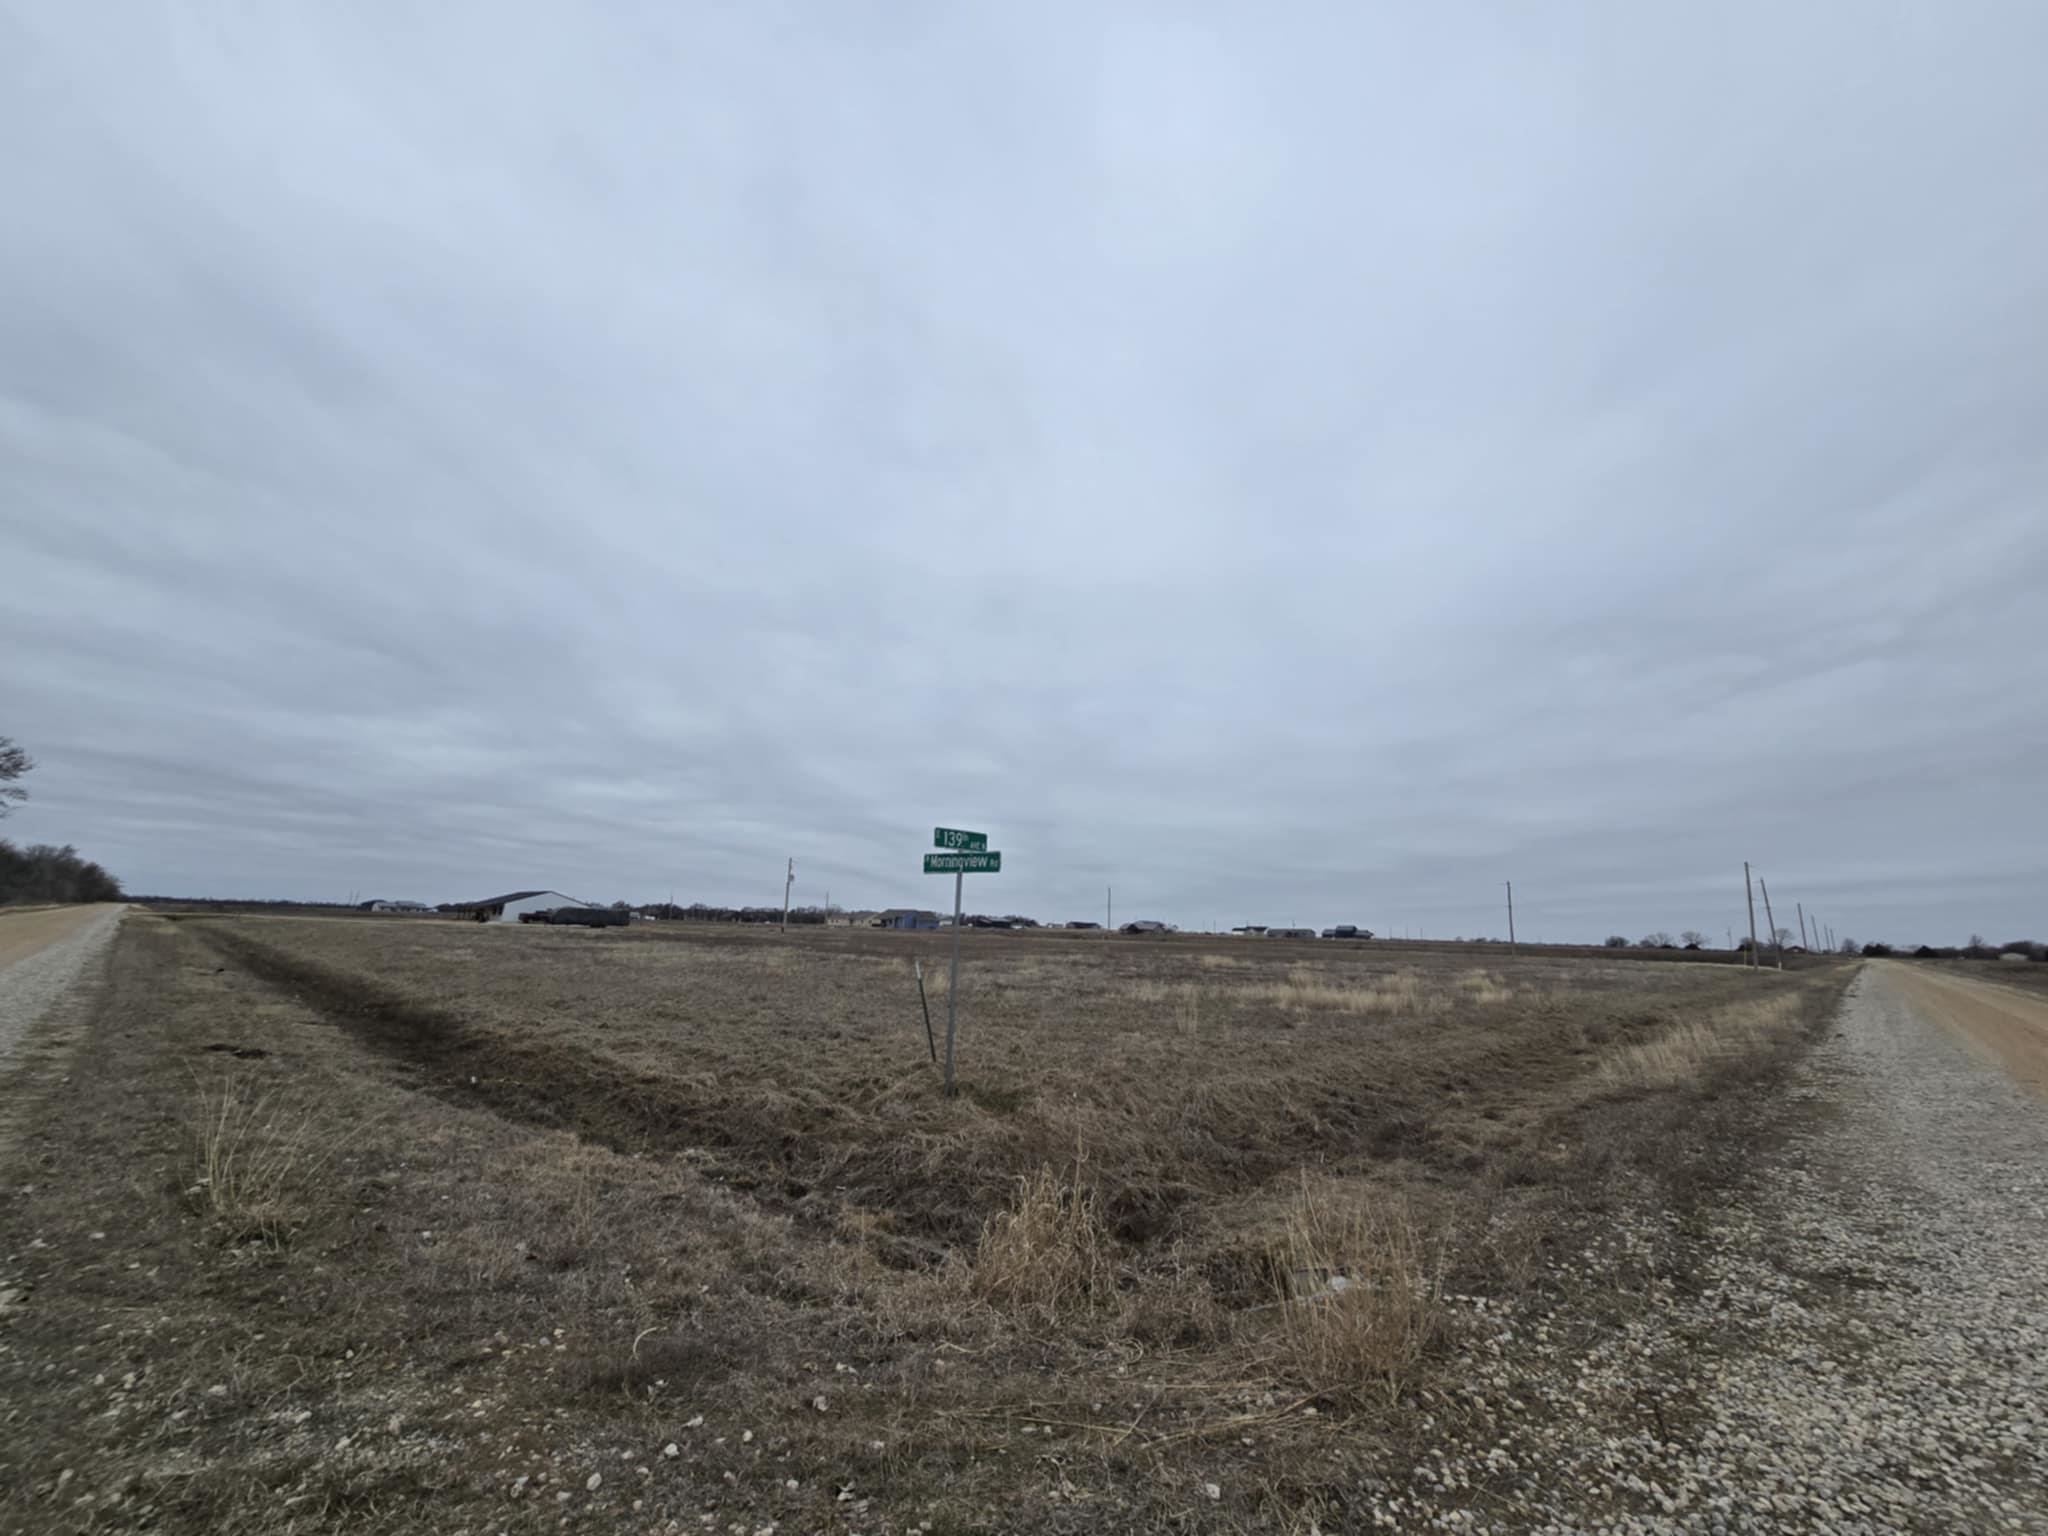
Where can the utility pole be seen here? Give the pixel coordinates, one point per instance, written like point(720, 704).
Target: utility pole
point(1777, 949)
point(1511, 916)
point(1804, 943)
point(787, 881)
point(1749, 892)
point(1108, 909)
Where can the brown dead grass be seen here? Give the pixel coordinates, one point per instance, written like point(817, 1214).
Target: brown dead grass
point(1049, 1256)
point(255, 1155)
point(1360, 1294)
point(583, 1188)
point(1691, 1050)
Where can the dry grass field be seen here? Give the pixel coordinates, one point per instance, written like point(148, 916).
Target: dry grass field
point(428, 1226)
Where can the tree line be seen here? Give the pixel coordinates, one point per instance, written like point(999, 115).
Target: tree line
point(42, 872)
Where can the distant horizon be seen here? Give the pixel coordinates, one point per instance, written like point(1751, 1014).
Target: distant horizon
point(1719, 940)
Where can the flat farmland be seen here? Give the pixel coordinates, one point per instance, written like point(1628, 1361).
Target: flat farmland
point(424, 1225)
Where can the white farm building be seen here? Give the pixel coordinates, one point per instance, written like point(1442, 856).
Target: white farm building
point(509, 907)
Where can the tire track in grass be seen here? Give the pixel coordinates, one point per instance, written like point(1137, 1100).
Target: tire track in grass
point(531, 1082)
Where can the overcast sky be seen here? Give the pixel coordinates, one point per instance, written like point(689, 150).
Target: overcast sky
point(1298, 463)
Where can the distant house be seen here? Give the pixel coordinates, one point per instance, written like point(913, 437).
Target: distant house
point(1084, 925)
point(396, 906)
point(907, 919)
point(514, 905)
point(1144, 926)
point(1290, 933)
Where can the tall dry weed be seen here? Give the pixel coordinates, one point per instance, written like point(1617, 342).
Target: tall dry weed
point(1487, 991)
point(254, 1158)
point(1360, 1296)
point(1688, 1052)
point(1404, 994)
point(1049, 1256)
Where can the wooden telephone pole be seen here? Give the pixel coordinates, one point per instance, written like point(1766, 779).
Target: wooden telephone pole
point(1777, 949)
point(1511, 917)
point(1749, 891)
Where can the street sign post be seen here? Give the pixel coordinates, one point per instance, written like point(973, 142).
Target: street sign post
point(963, 863)
point(970, 854)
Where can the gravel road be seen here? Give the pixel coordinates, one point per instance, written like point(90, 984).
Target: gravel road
point(41, 955)
point(1862, 1346)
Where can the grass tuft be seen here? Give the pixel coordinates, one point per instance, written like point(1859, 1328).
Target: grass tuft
point(253, 1157)
point(1050, 1256)
point(1692, 1051)
point(1359, 1301)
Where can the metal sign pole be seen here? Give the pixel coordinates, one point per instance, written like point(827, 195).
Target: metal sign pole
point(953, 981)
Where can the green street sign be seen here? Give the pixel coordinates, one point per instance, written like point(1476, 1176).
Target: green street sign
point(958, 841)
point(963, 863)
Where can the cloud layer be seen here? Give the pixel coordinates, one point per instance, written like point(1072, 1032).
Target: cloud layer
point(1294, 467)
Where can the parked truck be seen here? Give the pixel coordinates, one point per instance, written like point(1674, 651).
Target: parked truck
point(581, 917)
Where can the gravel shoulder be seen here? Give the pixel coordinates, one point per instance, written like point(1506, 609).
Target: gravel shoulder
point(1857, 1342)
point(44, 957)
point(42, 953)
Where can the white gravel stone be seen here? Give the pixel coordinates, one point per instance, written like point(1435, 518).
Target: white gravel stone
point(34, 983)
point(1861, 1345)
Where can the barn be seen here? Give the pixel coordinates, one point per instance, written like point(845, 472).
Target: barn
point(909, 919)
point(514, 904)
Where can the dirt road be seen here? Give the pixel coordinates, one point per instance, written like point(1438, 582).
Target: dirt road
point(23, 933)
point(2007, 1027)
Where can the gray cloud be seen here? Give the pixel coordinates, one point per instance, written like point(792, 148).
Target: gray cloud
point(1313, 466)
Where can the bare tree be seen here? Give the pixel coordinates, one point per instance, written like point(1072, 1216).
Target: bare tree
point(14, 762)
point(1655, 941)
point(1692, 938)
point(1783, 936)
